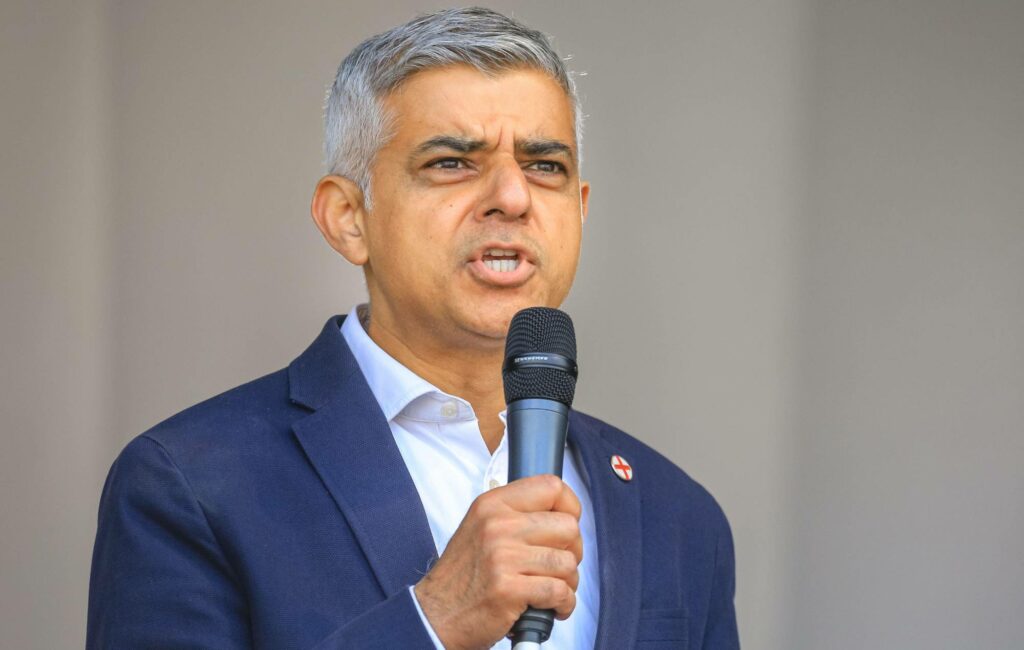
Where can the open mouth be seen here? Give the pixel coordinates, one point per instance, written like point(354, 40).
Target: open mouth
point(502, 264)
point(502, 260)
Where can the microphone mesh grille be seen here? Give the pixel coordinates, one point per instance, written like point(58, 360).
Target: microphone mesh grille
point(540, 329)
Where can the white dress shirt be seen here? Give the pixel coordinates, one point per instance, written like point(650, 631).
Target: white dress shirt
point(439, 438)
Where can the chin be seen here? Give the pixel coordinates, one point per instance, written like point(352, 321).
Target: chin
point(488, 314)
point(491, 321)
point(499, 315)
point(492, 328)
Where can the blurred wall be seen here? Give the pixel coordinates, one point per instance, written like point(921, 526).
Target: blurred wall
point(909, 484)
point(801, 277)
point(55, 314)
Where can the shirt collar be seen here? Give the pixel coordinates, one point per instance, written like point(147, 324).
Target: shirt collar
point(398, 390)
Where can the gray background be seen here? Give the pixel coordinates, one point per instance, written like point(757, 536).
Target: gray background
point(802, 278)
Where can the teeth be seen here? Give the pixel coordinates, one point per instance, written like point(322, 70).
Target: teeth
point(501, 266)
point(501, 260)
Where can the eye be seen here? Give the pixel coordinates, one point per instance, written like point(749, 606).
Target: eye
point(447, 163)
point(547, 167)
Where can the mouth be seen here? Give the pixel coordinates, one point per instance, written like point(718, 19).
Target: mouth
point(501, 260)
point(502, 265)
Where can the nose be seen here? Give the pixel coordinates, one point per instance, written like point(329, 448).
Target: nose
point(508, 193)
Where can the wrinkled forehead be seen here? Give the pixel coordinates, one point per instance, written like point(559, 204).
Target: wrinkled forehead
point(514, 106)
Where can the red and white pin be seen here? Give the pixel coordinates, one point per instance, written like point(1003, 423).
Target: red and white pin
point(621, 468)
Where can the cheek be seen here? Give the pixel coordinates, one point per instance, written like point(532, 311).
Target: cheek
point(418, 257)
point(567, 239)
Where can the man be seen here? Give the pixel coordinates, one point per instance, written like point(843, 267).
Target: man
point(357, 498)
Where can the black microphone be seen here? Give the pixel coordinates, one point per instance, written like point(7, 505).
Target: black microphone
point(539, 375)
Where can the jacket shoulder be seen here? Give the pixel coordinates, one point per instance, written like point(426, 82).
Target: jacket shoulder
point(244, 418)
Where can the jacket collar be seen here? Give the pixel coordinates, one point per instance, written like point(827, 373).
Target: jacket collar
point(349, 443)
point(316, 376)
point(619, 536)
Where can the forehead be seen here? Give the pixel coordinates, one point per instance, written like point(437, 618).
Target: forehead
point(461, 100)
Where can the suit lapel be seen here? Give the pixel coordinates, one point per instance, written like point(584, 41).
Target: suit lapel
point(617, 518)
point(349, 443)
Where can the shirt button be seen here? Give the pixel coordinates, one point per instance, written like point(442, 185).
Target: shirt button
point(493, 483)
point(449, 409)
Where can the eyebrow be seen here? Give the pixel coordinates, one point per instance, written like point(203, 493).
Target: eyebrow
point(529, 146)
point(544, 147)
point(453, 142)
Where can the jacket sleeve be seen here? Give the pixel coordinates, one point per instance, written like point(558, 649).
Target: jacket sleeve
point(720, 632)
point(160, 578)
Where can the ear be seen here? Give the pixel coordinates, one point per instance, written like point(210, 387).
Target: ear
point(584, 200)
point(339, 213)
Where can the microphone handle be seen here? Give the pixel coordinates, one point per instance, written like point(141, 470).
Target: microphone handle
point(536, 436)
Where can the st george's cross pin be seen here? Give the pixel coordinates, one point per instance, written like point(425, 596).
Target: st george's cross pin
point(621, 468)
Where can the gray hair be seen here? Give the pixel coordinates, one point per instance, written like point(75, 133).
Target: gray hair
point(356, 124)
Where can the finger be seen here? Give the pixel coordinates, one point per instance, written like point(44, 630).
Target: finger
point(568, 502)
point(550, 593)
point(548, 562)
point(562, 613)
point(531, 494)
point(576, 548)
point(554, 529)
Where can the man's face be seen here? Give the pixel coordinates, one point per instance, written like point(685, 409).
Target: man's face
point(477, 204)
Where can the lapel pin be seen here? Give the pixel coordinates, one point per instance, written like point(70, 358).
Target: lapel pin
point(621, 468)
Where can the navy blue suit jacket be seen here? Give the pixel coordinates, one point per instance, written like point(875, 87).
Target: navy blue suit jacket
point(280, 515)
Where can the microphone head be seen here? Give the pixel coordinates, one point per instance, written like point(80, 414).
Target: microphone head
point(540, 356)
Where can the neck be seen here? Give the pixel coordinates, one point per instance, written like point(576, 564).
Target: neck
point(472, 373)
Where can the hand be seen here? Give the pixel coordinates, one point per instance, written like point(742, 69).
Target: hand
point(518, 546)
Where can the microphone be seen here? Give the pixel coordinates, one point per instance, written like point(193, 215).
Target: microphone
point(539, 376)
